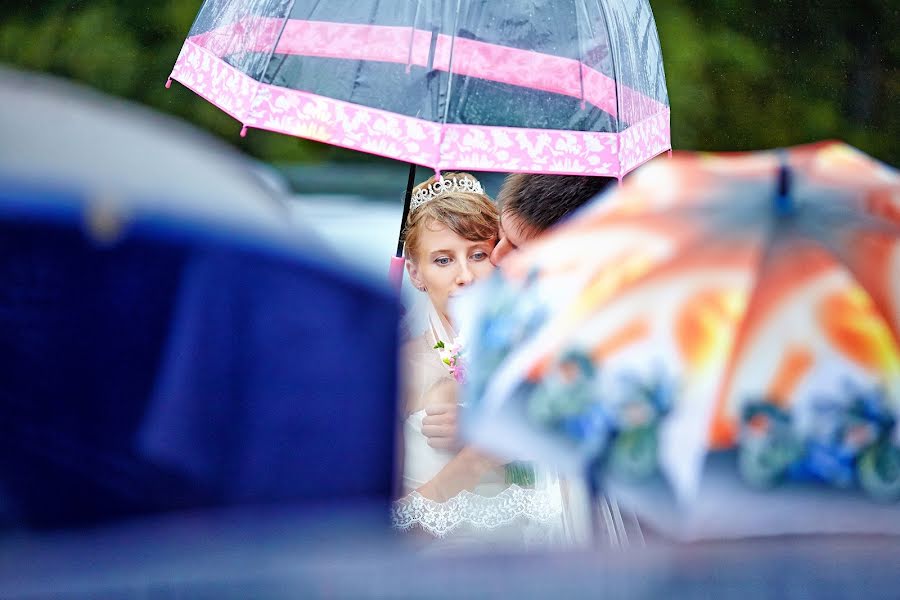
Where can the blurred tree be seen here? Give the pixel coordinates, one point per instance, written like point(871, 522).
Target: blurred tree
point(744, 76)
point(740, 75)
point(127, 48)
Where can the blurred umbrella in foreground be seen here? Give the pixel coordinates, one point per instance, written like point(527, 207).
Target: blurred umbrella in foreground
point(168, 339)
point(745, 301)
point(526, 86)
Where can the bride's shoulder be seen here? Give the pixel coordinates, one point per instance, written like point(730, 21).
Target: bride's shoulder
point(417, 346)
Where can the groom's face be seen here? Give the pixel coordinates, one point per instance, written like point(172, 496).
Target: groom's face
point(514, 233)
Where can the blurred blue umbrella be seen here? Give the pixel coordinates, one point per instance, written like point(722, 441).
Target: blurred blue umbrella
point(169, 340)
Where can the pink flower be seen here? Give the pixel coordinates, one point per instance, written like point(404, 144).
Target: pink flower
point(450, 356)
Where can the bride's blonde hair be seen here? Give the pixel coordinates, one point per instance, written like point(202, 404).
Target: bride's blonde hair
point(470, 215)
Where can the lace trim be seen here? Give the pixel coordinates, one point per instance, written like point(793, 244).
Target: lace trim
point(482, 512)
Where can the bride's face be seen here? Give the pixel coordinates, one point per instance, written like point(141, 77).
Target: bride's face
point(446, 263)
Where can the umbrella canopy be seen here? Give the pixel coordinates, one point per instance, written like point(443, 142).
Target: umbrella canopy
point(158, 315)
point(528, 86)
point(743, 302)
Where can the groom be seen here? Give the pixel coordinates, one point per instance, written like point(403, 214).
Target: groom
point(529, 205)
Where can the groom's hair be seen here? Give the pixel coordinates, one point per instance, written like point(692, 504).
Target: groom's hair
point(541, 201)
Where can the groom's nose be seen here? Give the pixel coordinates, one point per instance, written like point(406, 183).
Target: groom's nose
point(502, 248)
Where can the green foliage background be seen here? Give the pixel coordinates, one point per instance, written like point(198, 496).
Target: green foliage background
point(741, 75)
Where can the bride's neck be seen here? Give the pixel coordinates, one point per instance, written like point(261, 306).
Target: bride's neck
point(440, 325)
point(448, 326)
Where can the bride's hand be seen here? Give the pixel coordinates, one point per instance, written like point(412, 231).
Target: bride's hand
point(440, 425)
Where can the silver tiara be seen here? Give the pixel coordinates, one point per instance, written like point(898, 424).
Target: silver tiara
point(444, 186)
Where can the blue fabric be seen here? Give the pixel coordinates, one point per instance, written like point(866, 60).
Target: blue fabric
point(180, 368)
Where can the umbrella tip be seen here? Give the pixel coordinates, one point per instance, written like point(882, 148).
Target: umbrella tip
point(168, 83)
point(244, 131)
point(784, 200)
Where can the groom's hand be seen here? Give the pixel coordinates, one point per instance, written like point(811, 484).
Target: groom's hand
point(440, 423)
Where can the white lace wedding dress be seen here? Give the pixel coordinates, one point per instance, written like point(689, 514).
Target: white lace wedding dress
point(493, 513)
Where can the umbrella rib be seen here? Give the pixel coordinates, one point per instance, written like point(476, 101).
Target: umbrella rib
point(743, 329)
point(359, 64)
point(614, 55)
point(269, 57)
point(581, 64)
point(449, 82)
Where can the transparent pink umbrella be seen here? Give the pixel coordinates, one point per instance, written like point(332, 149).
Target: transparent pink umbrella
point(561, 87)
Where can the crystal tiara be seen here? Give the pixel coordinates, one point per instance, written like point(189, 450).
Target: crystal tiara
point(465, 185)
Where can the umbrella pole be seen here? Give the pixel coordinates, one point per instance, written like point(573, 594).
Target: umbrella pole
point(397, 262)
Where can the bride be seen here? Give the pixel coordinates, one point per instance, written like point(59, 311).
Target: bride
point(459, 494)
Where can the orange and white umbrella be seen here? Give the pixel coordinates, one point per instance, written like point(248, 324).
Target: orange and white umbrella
point(654, 325)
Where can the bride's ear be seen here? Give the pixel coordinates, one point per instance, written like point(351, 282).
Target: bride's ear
point(414, 276)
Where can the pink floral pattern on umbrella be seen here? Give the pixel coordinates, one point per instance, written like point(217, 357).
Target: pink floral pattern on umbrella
point(400, 137)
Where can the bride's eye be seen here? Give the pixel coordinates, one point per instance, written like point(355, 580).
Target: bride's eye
point(442, 261)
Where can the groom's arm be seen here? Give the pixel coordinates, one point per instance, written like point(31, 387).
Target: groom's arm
point(463, 472)
point(469, 466)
